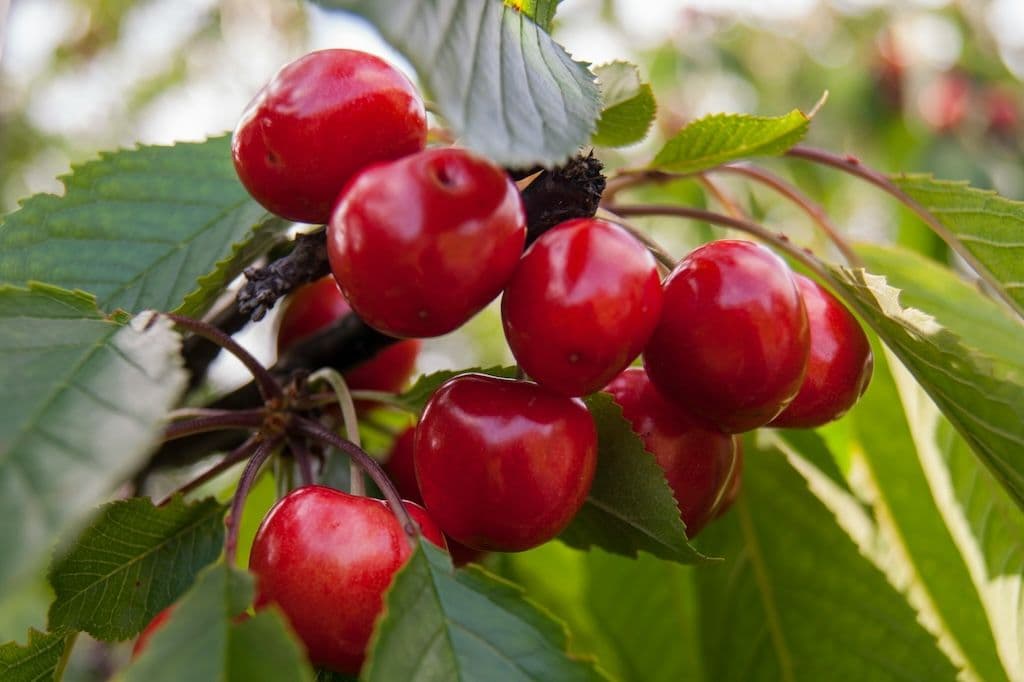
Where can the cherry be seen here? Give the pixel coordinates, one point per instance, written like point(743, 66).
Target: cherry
point(319, 304)
point(401, 469)
point(147, 633)
point(698, 460)
point(326, 558)
point(421, 244)
point(502, 464)
point(838, 367)
point(321, 119)
point(581, 305)
point(732, 343)
point(946, 101)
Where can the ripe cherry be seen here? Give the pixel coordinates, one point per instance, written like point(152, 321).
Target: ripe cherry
point(320, 120)
point(319, 304)
point(421, 244)
point(401, 469)
point(732, 343)
point(326, 558)
point(147, 633)
point(698, 459)
point(838, 367)
point(503, 465)
point(581, 305)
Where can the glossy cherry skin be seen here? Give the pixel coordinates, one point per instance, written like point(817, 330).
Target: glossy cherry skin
point(147, 633)
point(401, 469)
point(316, 305)
point(731, 346)
point(838, 367)
point(326, 558)
point(320, 120)
point(581, 305)
point(421, 244)
point(698, 459)
point(503, 465)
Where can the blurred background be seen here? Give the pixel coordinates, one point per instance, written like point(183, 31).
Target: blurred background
point(917, 85)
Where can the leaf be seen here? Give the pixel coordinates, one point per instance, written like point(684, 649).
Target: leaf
point(925, 563)
point(810, 446)
point(630, 507)
point(85, 399)
point(504, 86)
point(133, 561)
point(628, 106)
point(443, 624)
point(138, 228)
point(417, 396)
point(719, 138)
point(205, 640)
point(987, 229)
point(37, 660)
point(982, 396)
point(541, 11)
point(795, 599)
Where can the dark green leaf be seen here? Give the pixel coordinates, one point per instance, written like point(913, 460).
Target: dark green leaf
point(134, 560)
point(795, 599)
point(443, 624)
point(719, 138)
point(985, 228)
point(139, 228)
point(981, 395)
point(419, 393)
point(84, 402)
point(813, 448)
point(628, 106)
point(204, 640)
point(630, 507)
point(36, 661)
point(503, 85)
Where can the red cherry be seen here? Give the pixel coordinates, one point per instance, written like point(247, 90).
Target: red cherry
point(946, 101)
point(697, 459)
point(581, 305)
point(319, 304)
point(838, 367)
point(504, 465)
point(326, 558)
point(320, 120)
point(732, 343)
point(147, 633)
point(421, 244)
point(401, 469)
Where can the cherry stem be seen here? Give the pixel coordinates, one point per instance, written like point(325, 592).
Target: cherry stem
point(712, 188)
point(813, 209)
point(215, 420)
point(357, 486)
point(742, 224)
point(231, 459)
point(269, 387)
point(264, 449)
point(317, 432)
point(303, 459)
point(853, 166)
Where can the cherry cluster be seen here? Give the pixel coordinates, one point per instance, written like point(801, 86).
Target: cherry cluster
point(421, 239)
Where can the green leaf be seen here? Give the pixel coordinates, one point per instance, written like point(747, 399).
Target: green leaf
point(987, 229)
point(795, 599)
point(541, 11)
point(925, 561)
point(85, 399)
point(138, 228)
point(37, 660)
point(981, 395)
point(630, 507)
point(504, 86)
point(205, 640)
point(443, 624)
point(811, 447)
point(629, 106)
point(134, 560)
point(720, 138)
point(416, 397)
